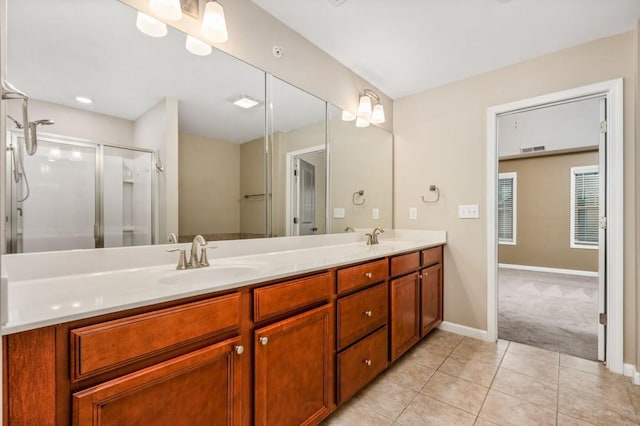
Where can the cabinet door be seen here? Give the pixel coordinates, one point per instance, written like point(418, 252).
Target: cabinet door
point(292, 369)
point(405, 314)
point(199, 388)
point(431, 298)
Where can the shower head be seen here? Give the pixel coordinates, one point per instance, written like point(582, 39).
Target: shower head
point(16, 122)
point(45, 122)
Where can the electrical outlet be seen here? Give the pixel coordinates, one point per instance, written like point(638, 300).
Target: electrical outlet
point(468, 211)
point(413, 213)
point(375, 213)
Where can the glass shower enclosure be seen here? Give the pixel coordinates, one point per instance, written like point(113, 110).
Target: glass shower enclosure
point(76, 194)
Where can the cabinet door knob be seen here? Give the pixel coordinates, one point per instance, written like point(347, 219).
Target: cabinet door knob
point(420, 276)
point(426, 274)
point(368, 313)
point(367, 362)
point(368, 275)
point(239, 349)
point(264, 340)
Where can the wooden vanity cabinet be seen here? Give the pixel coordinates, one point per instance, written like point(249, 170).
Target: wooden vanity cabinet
point(405, 313)
point(431, 290)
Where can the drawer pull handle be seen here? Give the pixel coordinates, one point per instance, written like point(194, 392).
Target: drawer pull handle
point(368, 275)
point(367, 362)
point(264, 341)
point(368, 313)
point(239, 349)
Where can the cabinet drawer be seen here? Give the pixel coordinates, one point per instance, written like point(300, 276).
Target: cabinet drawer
point(432, 256)
point(277, 299)
point(105, 346)
point(361, 313)
point(361, 275)
point(405, 263)
point(362, 362)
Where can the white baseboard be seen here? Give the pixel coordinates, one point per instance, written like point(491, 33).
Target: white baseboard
point(552, 270)
point(464, 330)
point(630, 370)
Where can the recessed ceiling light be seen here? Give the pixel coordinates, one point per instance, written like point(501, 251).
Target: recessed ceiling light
point(246, 102)
point(83, 100)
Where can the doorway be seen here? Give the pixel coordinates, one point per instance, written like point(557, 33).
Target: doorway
point(610, 261)
point(305, 188)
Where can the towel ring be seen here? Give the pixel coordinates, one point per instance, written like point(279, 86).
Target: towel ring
point(356, 196)
point(432, 188)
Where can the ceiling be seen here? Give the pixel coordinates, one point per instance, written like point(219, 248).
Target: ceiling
point(57, 50)
point(407, 46)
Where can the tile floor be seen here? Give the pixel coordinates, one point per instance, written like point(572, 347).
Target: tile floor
point(449, 379)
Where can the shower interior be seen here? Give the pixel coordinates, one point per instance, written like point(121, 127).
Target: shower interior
point(77, 194)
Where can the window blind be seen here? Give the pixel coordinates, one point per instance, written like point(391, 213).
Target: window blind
point(505, 209)
point(586, 207)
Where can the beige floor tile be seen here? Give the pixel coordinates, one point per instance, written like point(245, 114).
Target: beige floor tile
point(564, 420)
point(527, 388)
point(581, 364)
point(353, 414)
point(594, 409)
point(478, 372)
point(409, 374)
point(483, 422)
point(503, 344)
point(634, 395)
point(478, 349)
point(606, 386)
point(532, 352)
point(428, 356)
point(456, 391)
point(386, 398)
point(427, 411)
point(443, 340)
point(530, 367)
point(503, 409)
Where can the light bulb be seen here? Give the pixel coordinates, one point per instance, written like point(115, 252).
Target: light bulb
point(197, 47)
point(361, 122)
point(364, 108)
point(150, 26)
point(214, 26)
point(348, 115)
point(377, 116)
point(169, 10)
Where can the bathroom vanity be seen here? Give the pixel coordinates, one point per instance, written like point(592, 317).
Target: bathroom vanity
point(314, 321)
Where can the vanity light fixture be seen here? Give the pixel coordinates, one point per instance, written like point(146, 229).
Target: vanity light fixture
point(214, 25)
point(377, 116)
point(246, 102)
point(366, 114)
point(364, 108)
point(150, 26)
point(169, 10)
point(197, 47)
point(84, 100)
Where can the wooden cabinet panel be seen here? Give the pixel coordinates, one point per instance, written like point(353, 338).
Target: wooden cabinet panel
point(361, 313)
point(354, 277)
point(285, 297)
point(199, 388)
point(431, 283)
point(361, 363)
point(101, 347)
point(432, 256)
point(293, 369)
point(405, 263)
point(405, 314)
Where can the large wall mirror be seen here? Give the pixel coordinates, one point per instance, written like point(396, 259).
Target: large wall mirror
point(140, 139)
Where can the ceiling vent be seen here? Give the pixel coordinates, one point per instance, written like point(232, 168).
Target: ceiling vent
point(530, 149)
point(337, 3)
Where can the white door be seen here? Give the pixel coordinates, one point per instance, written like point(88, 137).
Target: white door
point(304, 220)
point(602, 249)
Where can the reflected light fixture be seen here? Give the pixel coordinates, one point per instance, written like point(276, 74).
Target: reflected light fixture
point(150, 26)
point(83, 100)
point(360, 122)
point(169, 10)
point(366, 114)
point(214, 25)
point(348, 115)
point(197, 47)
point(246, 102)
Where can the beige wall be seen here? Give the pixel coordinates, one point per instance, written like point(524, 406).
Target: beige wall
point(209, 185)
point(636, 65)
point(252, 220)
point(543, 209)
point(252, 35)
point(440, 138)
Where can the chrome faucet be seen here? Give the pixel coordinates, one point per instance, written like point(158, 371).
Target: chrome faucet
point(198, 241)
point(372, 238)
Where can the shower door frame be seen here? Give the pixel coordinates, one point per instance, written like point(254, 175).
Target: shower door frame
point(98, 233)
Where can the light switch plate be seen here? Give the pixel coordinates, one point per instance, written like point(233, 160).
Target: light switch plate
point(338, 213)
point(413, 213)
point(468, 211)
point(375, 213)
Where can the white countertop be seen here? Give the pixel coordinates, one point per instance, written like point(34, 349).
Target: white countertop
point(50, 288)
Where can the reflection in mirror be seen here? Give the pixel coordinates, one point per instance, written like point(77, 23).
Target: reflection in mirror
point(298, 161)
point(164, 149)
point(361, 181)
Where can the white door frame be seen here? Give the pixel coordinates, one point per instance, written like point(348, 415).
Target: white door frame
point(613, 90)
point(289, 167)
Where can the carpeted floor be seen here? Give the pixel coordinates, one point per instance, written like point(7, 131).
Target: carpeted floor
point(557, 312)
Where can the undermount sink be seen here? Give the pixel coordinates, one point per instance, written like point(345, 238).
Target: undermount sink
point(213, 274)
